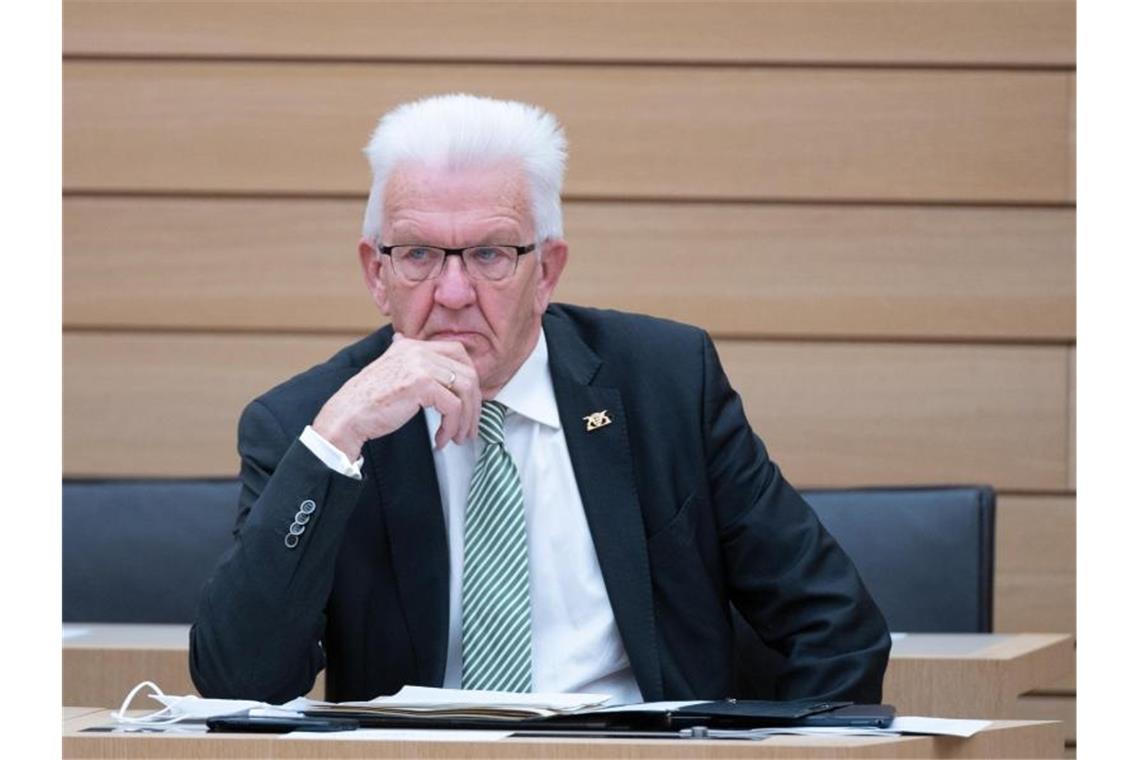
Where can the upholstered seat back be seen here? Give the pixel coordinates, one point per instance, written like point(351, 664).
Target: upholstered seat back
point(140, 550)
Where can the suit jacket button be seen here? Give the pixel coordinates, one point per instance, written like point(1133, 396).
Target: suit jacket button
point(308, 506)
point(296, 529)
point(291, 541)
point(300, 518)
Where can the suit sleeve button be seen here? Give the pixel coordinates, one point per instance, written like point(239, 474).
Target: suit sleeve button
point(308, 506)
point(296, 529)
point(301, 518)
point(291, 541)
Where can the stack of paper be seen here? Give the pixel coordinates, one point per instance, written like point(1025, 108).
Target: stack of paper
point(456, 703)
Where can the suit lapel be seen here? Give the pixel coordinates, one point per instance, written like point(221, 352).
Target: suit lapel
point(409, 495)
point(603, 468)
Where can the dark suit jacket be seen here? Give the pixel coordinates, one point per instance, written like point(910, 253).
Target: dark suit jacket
point(687, 513)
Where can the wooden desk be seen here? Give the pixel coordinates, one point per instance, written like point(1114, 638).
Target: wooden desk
point(1003, 739)
point(969, 675)
point(102, 662)
point(946, 675)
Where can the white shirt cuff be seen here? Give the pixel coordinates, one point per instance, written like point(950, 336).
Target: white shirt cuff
point(336, 459)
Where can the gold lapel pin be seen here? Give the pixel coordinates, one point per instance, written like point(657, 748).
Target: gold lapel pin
point(595, 420)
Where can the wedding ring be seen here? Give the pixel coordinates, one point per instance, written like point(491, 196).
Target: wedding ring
point(450, 381)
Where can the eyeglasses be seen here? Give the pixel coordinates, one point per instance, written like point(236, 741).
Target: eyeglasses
point(481, 262)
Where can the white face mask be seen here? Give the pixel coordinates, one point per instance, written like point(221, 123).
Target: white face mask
point(175, 709)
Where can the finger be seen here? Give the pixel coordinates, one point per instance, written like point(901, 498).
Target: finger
point(452, 349)
point(462, 381)
point(465, 385)
point(450, 412)
point(448, 365)
point(475, 404)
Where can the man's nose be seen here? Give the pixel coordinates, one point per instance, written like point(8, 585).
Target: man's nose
point(453, 288)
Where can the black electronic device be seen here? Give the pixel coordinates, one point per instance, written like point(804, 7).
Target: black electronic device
point(256, 724)
point(853, 716)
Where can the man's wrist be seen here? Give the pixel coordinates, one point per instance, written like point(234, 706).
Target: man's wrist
point(338, 438)
point(331, 454)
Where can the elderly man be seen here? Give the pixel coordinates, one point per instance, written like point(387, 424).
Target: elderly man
point(498, 492)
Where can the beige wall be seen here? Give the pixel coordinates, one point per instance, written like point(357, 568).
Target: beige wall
point(869, 204)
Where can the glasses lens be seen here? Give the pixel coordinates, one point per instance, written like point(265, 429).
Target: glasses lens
point(490, 262)
point(417, 262)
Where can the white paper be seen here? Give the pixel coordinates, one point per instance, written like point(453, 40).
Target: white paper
point(274, 712)
point(400, 735)
point(70, 632)
point(938, 726)
point(651, 707)
point(423, 697)
point(897, 637)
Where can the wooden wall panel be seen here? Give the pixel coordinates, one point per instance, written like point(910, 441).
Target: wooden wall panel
point(272, 264)
point(1035, 586)
point(735, 269)
point(656, 131)
point(845, 414)
point(1022, 32)
point(1073, 416)
point(831, 414)
point(168, 405)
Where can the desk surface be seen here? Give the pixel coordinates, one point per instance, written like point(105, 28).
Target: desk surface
point(1002, 739)
point(950, 675)
point(973, 675)
point(985, 646)
point(126, 636)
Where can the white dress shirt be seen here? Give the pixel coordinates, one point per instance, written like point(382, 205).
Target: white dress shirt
point(575, 641)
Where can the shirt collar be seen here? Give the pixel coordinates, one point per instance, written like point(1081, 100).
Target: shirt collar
point(529, 392)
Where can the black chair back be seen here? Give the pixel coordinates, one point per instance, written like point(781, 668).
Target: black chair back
point(926, 556)
point(139, 551)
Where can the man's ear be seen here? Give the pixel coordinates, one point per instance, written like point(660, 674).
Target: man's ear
point(550, 266)
point(371, 265)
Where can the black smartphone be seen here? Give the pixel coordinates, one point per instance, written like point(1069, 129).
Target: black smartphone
point(865, 716)
point(247, 724)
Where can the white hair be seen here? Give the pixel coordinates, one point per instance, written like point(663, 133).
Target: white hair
point(460, 131)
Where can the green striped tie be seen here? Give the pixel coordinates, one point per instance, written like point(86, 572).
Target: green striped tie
point(496, 588)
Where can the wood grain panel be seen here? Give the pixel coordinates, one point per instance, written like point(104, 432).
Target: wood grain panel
point(735, 269)
point(648, 131)
point(102, 662)
point(273, 264)
point(926, 676)
point(843, 414)
point(1064, 687)
point(1035, 584)
point(831, 414)
point(1073, 418)
point(1064, 709)
point(164, 405)
point(942, 32)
